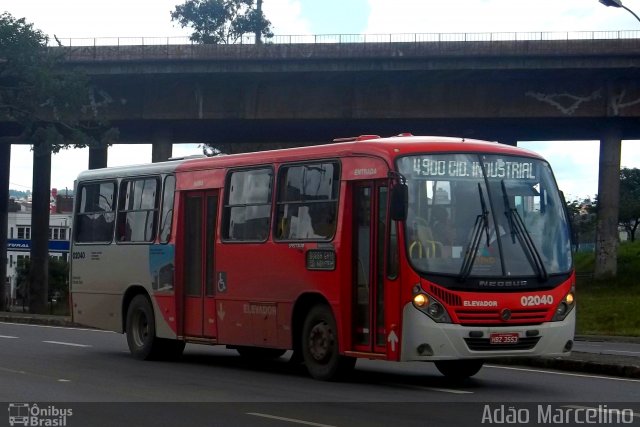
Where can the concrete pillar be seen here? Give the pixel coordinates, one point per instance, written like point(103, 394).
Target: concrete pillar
point(161, 151)
point(5, 163)
point(162, 147)
point(97, 157)
point(39, 271)
point(608, 203)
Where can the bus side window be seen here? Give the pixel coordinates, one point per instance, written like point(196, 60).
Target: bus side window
point(307, 201)
point(137, 210)
point(247, 208)
point(95, 216)
point(168, 193)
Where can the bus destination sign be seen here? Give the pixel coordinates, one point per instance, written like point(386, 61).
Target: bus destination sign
point(436, 167)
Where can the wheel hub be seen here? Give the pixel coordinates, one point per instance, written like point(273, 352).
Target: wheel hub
point(321, 341)
point(141, 329)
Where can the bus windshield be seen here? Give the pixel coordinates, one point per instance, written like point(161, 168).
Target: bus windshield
point(481, 215)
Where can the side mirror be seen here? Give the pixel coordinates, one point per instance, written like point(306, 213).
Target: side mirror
point(399, 202)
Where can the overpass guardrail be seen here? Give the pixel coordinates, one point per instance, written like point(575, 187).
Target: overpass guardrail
point(362, 38)
point(498, 44)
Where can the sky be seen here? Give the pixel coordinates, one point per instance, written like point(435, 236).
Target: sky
point(575, 163)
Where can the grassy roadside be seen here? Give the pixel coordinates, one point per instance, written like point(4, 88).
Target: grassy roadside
point(611, 306)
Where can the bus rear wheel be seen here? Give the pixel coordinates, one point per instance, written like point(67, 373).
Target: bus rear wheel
point(320, 350)
point(459, 369)
point(141, 329)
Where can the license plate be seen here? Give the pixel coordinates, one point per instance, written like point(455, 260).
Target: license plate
point(504, 338)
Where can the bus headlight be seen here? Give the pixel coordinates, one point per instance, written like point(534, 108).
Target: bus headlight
point(430, 306)
point(420, 300)
point(564, 308)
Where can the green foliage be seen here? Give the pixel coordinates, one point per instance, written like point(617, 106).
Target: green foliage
point(582, 214)
point(58, 280)
point(609, 307)
point(629, 215)
point(17, 194)
point(221, 21)
point(51, 105)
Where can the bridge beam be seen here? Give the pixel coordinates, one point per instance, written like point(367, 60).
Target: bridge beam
point(608, 202)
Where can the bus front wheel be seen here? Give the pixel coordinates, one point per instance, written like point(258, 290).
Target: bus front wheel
point(320, 350)
point(459, 369)
point(141, 329)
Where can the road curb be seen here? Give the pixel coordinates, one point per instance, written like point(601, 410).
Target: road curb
point(626, 370)
point(60, 321)
point(608, 338)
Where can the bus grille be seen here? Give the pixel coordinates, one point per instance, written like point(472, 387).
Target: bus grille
point(490, 317)
point(482, 344)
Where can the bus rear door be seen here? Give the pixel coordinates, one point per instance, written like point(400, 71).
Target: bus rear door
point(198, 263)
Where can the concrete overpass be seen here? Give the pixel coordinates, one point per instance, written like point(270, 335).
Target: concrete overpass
point(534, 86)
point(496, 89)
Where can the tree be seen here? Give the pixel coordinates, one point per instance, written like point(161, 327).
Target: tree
point(629, 215)
point(222, 21)
point(582, 215)
point(58, 280)
point(49, 106)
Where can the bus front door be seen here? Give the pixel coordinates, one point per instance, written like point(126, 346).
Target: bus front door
point(370, 207)
point(199, 231)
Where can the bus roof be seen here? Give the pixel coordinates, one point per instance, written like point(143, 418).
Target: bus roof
point(131, 170)
point(365, 145)
point(371, 145)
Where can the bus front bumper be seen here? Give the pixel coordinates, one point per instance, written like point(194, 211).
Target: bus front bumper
point(425, 340)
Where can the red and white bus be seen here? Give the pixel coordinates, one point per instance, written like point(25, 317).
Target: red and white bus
point(407, 248)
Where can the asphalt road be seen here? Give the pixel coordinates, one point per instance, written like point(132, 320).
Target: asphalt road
point(92, 374)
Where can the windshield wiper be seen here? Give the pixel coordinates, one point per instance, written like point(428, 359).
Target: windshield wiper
point(485, 213)
point(481, 224)
point(519, 230)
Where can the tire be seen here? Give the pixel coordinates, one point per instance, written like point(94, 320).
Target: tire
point(141, 329)
point(459, 369)
point(319, 342)
point(260, 353)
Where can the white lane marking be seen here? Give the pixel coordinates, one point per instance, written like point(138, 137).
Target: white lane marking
point(600, 377)
point(33, 374)
point(447, 390)
point(427, 388)
point(605, 410)
point(56, 327)
point(67, 343)
point(12, 371)
point(7, 336)
point(289, 420)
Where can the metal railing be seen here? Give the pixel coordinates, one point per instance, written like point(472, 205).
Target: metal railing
point(363, 38)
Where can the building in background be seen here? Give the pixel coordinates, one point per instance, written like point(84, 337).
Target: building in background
point(19, 233)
